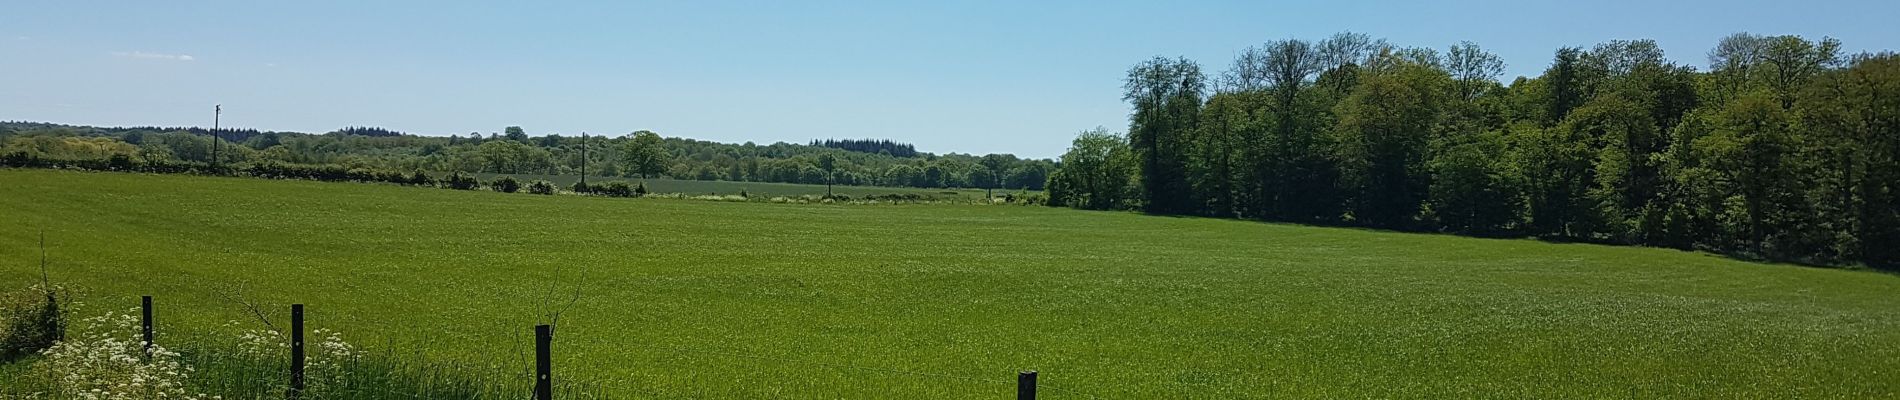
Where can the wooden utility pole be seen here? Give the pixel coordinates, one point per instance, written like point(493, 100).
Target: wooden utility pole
point(583, 158)
point(217, 113)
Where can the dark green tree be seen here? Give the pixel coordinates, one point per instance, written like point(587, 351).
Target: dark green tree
point(1096, 173)
point(993, 166)
point(1166, 97)
point(1383, 131)
point(644, 154)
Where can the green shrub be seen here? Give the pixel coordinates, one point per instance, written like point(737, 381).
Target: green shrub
point(581, 187)
point(361, 175)
point(1033, 199)
point(331, 173)
point(458, 181)
point(421, 179)
point(541, 187)
point(119, 162)
point(19, 159)
point(506, 184)
point(896, 197)
point(614, 189)
point(30, 321)
point(640, 190)
point(392, 177)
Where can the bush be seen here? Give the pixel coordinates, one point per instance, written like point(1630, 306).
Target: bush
point(119, 162)
point(361, 175)
point(458, 181)
point(30, 321)
point(640, 190)
point(896, 197)
point(421, 179)
point(614, 189)
point(330, 173)
point(541, 187)
point(1034, 199)
point(506, 184)
point(581, 187)
point(162, 166)
point(19, 159)
point(392, 177)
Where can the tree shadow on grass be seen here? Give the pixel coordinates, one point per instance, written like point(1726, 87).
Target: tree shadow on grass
point(1519, 235)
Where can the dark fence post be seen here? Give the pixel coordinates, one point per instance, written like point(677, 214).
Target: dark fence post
point(296, 352)
point(1026, 385)
point(543, 363)
point(145, 324)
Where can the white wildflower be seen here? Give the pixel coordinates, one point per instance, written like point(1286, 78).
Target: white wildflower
point(103, 362)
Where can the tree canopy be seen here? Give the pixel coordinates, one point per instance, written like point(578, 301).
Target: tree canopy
point(1783, 149)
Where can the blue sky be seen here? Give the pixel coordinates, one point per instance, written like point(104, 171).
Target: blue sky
point(969, 77)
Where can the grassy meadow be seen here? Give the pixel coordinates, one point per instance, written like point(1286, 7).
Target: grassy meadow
point(684, 299)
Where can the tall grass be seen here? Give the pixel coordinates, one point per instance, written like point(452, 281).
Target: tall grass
point(105, 359)
point(30, 321)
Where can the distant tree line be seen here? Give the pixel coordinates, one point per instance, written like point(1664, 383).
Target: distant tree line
point(514, 151)
point(227, 134)
point(368, 131)
point(123, 162)
point(1783, 149)
point(873, 146)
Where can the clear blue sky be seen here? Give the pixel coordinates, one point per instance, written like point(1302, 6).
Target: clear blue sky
point(949, 76)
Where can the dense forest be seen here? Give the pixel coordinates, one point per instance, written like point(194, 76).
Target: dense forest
point(514, 151)
point(1782, 149)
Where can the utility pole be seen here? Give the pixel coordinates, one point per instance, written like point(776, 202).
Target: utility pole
point(583, 158)
point(217, 113)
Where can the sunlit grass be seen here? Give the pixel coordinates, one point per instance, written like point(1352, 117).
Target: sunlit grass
point(689, 298)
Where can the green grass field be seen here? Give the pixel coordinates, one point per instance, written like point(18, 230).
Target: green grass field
point(766, 189)
point(722, 300)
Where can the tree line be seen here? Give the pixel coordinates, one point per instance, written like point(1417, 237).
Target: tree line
point(1782, 149)
point(513, 151)
point(873, 146)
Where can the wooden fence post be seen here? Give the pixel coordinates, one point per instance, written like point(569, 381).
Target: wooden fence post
point(1026, 385)
point(543, 363)
point(296, 352)
point(145, 324)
